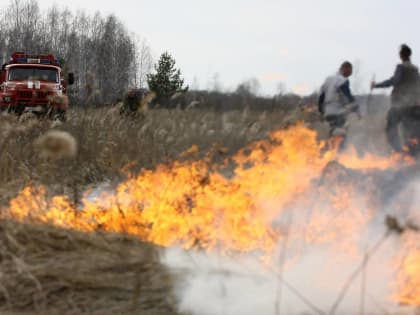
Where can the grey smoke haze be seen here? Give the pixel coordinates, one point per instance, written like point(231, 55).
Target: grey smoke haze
point(210, 284)
point(217, 286)
point(297, 42)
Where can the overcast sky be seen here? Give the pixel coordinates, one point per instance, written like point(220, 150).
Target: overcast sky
point(297, 42)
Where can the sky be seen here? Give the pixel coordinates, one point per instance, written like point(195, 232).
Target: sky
point(289, 43)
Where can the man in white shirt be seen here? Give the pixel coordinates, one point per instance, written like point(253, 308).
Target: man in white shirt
point(336, 100)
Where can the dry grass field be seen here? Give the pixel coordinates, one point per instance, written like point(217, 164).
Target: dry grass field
point(45, 270)
point(49, 270)
point(107, 145)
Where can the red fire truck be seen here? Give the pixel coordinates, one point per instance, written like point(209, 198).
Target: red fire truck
point(34, 83)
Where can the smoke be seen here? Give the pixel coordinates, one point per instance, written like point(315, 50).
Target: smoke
point(327, 261)
point(368, 133)
point(308, 280)
point(213, 285)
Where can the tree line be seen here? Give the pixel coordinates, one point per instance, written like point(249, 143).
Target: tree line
point(106, 58)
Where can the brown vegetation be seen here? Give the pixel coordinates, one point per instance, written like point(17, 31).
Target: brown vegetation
point(108, 143)
point(45, 270)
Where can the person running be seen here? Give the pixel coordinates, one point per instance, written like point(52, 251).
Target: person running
point(336, 100)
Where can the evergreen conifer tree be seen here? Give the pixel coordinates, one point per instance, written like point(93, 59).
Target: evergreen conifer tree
point(167, 80)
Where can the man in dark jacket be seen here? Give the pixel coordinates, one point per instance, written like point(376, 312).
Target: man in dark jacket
point(405, 81)
point(405, 99)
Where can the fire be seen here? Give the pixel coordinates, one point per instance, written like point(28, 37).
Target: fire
point(191, 204)
point(370, 161)
point(410, 292)
point(274, 188)
point(409, 275)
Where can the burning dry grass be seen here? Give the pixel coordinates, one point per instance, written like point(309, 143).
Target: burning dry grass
point(238, 206)
point(45, 270)
point(108, 142)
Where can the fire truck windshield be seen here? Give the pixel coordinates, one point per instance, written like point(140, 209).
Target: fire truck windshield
point(28, 73)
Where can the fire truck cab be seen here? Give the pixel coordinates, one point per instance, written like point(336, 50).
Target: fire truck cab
point(34, 83)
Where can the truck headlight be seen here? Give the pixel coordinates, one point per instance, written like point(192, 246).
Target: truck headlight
point(7, 99)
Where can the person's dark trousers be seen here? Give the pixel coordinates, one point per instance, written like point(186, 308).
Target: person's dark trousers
point(392, 121)
point(335, 121)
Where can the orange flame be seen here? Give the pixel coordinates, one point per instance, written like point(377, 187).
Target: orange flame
point(187, 203)
point(239, 207)
point(370, 161)
point(409, 272)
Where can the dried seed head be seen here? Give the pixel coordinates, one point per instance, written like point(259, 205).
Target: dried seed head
point(56, 145)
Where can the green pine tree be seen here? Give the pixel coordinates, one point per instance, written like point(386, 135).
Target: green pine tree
point(167, 80)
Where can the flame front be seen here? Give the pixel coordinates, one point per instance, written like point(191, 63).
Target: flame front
point(409, 275)
point(240, 207)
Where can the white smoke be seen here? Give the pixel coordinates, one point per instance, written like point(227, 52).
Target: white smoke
point(212, 285)
point(367, 134)
point(310, 278)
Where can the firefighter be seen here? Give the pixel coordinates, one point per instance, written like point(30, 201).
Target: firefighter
point(405, 96)
point(336, 100)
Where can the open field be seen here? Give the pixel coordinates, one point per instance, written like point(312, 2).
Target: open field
point(335, 200)
point(108, 143)
point(52, 271)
